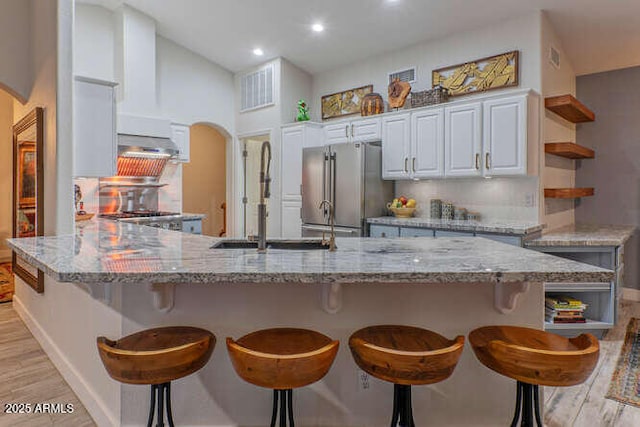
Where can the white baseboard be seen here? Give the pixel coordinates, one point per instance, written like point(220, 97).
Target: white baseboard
point(631, 294)
point(91, 401)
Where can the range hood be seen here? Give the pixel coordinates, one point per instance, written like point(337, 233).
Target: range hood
point(144, 156)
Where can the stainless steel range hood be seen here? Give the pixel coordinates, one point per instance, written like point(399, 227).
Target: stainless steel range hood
point(146, 146)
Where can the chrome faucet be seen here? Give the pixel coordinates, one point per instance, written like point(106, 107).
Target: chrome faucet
point(332, 222)
point(265, 193)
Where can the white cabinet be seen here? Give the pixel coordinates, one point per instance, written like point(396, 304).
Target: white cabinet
point(363, 130)
point(180, 136)
point(396, 146)
point(463, 140)
point(94, 128)
point(193, 226)
point(376, 230)
point(505, 136)
point(294, 140)
point(427, 144)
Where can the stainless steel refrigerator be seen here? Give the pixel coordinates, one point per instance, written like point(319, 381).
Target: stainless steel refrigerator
point(349, 176)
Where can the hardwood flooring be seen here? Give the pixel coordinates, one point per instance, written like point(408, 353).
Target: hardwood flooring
point(27, 376)
point(585, 405)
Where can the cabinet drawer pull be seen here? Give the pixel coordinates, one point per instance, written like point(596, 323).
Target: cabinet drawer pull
point(487, 160)
point(352, 135)
point(406, 165)
point(413, 164)
point(346, 131)
point(477, 161)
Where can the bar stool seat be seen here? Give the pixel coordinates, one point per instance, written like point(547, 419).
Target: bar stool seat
point(156, 357)
point(533, 357)
point(282, 359)
point(405, 356)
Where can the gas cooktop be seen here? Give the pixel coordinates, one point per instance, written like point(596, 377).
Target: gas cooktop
point(136, 214)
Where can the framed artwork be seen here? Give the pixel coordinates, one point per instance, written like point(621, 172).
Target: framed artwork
point(344, 103)
point(493, 72)
point(28, 190)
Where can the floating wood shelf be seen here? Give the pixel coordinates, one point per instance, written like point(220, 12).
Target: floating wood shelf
point(569, 150)
point(569, 108)
point(567, 193)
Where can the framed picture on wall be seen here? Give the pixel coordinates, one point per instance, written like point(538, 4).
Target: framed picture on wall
point(344, 103)
point(28, 191)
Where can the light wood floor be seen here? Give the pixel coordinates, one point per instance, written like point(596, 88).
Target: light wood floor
point(28, 376)
point(585, 405)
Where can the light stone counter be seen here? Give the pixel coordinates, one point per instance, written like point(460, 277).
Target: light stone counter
point(584, 235)
point(115, 252)
point(501, 227)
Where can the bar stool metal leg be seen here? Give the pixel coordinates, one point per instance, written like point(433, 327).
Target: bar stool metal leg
point(536, 405)
point(160, 421)
point(152, 405)
point(274, 414)
point(168, 401)
point(516, 415)
point(396, 402)
point(290, 407)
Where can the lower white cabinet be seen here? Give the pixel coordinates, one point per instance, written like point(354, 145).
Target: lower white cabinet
point(291, 219)
point(94, 128)
point(193, 226)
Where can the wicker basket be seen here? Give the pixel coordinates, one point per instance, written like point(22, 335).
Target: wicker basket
point(436, 95)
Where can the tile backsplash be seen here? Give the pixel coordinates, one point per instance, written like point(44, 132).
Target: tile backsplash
point(495, 199)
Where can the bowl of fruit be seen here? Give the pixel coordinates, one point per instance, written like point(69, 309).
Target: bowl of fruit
point(402, 207)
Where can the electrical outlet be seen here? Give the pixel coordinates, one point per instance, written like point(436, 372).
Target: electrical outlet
point(529, 200)
point(364, 381)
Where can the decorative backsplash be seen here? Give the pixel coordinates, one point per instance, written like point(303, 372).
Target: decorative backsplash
point(495, 199)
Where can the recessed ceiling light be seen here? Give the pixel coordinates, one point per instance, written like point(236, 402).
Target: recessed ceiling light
point(317, 27)
point(258, 52)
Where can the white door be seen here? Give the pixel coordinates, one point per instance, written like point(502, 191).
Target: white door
point(463, 140)
point(427, 144)
point(292, 142)
point(505, 136)
point(337, 133)
point(396, 146)
point(365, 130)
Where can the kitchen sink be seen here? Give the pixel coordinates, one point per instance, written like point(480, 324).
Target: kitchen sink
point(299, 245)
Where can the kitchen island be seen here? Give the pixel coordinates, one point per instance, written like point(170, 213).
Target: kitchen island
point(113, 279)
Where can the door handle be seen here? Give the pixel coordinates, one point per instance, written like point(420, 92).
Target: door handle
point(487, 160)
point(346, 131)
point(352, 135)
point(477, 161)
point(406, 165)
point(413, 164)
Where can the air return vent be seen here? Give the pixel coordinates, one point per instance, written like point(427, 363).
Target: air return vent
point(408, 75)
point(554, 57)
point(257, 89)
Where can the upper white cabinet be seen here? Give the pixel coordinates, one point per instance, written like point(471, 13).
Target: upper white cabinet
point(463, 140)
point(94, 128)
point(363, 130)
point(427, 144)
point(180, 135)
point(505, 136)
point(396, 146)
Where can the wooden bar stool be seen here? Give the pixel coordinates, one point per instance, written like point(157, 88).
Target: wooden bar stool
point(405, 356)
point(282, 359)
point(156, 357)
point(533, 358)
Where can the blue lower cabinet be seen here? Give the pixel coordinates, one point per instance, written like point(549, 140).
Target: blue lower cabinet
point(416, 232)
point(376, 230)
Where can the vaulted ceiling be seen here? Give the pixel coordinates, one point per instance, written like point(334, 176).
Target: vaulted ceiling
point(597, 35)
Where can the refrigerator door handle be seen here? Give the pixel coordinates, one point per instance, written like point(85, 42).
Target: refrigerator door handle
point(333, 182)
point(324, 182)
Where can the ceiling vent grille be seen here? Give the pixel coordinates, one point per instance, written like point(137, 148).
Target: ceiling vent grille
point(408, 75)
point(257, 89)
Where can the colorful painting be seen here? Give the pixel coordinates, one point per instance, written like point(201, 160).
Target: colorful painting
point(27, 174)
point(344, 103)
point(494, 72)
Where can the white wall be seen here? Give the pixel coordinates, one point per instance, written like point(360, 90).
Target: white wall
point(557, 172)
point(16, 70)
point(517, 34)
point(296, 84)
point(94, 42)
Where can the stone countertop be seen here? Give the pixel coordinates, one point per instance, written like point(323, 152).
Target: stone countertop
point(186, 216)
point(115, 252)
point(584, 235)
point(503, 227)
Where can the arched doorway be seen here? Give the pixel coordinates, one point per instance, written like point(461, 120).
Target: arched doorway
point(204, 179)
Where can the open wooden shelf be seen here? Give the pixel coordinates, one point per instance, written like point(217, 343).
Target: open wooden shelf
point(567, 193)
point(569, 108)
point(569, 150)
